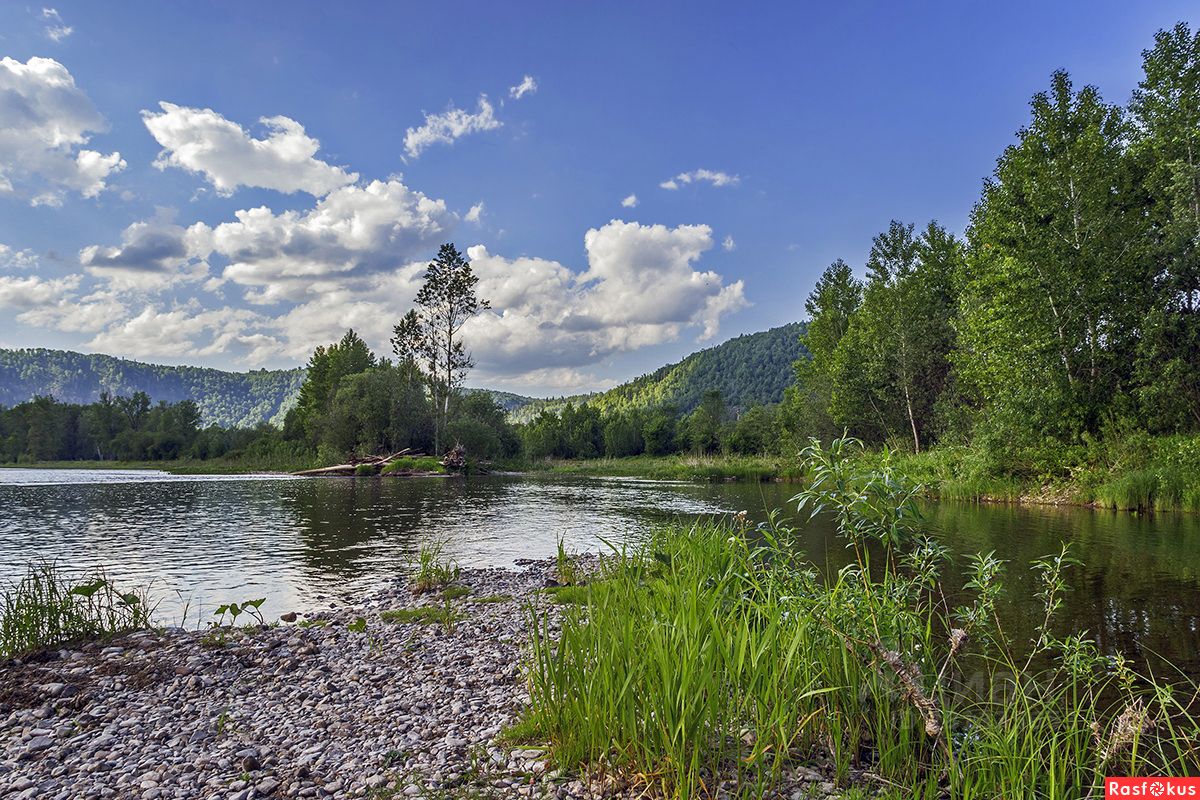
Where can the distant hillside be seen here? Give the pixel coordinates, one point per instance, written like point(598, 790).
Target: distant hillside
point(225, 398)
point(753, 368)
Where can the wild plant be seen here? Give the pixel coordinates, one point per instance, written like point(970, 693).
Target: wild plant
point(234, 610)
point(716, 651)
point(45, 608)
point(433, 570)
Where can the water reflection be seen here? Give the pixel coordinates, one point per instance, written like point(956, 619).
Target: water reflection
point(303, 542)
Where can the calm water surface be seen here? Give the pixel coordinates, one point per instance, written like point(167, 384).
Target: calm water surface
point(204, 540)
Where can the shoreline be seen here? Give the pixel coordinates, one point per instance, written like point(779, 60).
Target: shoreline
point(703, 470)
point(324, 708)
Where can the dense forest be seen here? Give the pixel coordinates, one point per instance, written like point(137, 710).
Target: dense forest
point(1061, 335)
point(228, 399)
point(752, 369)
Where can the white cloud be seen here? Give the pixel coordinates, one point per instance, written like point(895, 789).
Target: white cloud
point(16, 259)
point(202, 141)
point(728, 244)
point(451, 124)
point(527, 86)
point(45, 121)
point(87, 314)
point(351, 232)
point(188, 331)
point(640, 289)
point(153, 255)
point(701, 175)
point(630, 202)
point(475, 212)
point(32, 291)
point(55, 30)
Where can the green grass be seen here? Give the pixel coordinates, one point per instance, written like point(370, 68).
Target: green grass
point(684, 468)
point(455, 592)
point(407, 465)
point(433, 570)
point(47, 607)
point(421, 615)
point(714, 655)
point(312, 623)
point(569, 595)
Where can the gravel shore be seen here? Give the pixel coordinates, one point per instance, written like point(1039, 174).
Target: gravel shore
point(325, 707)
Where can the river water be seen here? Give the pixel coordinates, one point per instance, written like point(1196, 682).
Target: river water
point(199, 541)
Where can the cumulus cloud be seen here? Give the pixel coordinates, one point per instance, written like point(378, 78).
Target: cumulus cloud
point(185, 331)
point(152, 255)
point(640, 288)
point(77, 314)
point(351, 232)
point(701, 176)
point(728, 245)
point(204, 142)
point(56, 30)
point(527, 86)
point(475, 212)
point(630, 202)
point(449, 126)
point(16, 259)
point(45, 121)
point(33, 291)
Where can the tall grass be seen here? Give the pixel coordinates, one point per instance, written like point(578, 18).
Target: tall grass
point(717, 652)
point(46, 608)
point(433, 570)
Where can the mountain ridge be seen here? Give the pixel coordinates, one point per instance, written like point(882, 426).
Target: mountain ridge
point(751, 368)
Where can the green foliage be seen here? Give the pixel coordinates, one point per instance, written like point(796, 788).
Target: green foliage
point(715, 652)
point(433, 570)
point(421, 615)
point(428, 337)
point(749, 369)
point(1072, 309)
point(225, 399)
point(46, 608)
point(235, 610)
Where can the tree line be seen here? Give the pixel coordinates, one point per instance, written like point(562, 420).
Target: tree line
point(1069, 311)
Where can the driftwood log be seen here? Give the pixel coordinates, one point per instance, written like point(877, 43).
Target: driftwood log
point(456, 458)
point(353, 463)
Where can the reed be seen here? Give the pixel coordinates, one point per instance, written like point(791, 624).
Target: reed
point(717, 652)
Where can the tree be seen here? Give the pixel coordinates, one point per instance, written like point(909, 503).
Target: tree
point(1166, 108)
point(1054, 285)
point(703, 425)
point(430, 332)
point(805, 409)
point(326, 368)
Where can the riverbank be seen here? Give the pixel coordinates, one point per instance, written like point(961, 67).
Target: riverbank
point(405, 695)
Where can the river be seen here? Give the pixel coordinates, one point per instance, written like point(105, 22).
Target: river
point(198, 541)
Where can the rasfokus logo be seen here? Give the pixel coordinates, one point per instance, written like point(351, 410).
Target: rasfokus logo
point(1151, 787)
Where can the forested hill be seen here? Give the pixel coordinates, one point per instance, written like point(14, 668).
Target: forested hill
point(228, 399)
point(753, 368)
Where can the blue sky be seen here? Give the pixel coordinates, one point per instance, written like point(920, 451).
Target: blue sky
point(195, 232)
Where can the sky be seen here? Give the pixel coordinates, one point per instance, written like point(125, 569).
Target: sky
point(230, 184)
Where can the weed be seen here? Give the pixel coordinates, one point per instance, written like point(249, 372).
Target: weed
point(717, 652)
point(455, 592)
point(434, 570)
point(44, 608)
